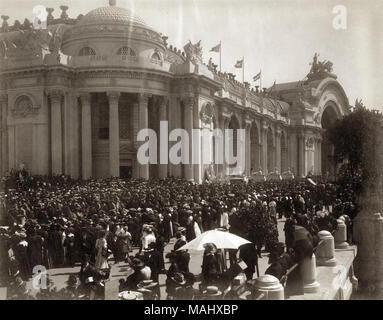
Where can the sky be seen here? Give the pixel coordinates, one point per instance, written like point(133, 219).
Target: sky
point(278, 37)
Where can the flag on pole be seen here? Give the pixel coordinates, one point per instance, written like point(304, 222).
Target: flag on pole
point(257, 77)
point(239, 64)
point(217, 48)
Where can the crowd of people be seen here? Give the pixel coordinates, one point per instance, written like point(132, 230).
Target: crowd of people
point(55, 221)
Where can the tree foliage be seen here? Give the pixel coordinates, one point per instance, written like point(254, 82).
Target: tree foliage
point(358, 144)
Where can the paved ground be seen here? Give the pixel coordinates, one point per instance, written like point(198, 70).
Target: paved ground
point(122, 270)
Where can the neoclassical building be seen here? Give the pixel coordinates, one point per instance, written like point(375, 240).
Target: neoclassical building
point(75, 94)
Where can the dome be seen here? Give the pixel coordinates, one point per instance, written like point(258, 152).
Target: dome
point(112, 15)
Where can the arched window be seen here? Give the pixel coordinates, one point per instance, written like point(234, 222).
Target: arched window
point(86, 51)
point(23, 105)
point(156, 56)
point(126, 51)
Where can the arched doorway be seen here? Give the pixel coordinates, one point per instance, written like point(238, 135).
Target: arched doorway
point(329, 116)
point(254, 148)
point(284, 160)
point(270, 151)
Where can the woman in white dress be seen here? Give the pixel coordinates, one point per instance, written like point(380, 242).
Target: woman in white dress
point(102, 252)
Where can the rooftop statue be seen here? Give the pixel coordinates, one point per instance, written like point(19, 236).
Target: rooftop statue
point(319, 69)
point(193, 52)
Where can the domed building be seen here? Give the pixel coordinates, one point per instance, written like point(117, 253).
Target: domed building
point(75, 94)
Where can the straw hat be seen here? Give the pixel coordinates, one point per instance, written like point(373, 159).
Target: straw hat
point(212, 291)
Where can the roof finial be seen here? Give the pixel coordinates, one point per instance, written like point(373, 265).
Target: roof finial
point(112, 3)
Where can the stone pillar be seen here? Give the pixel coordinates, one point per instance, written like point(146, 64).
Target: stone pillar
point(264, 148)
point(309, 275)
point(162, 114)
point(188, 126)
point(175, 114)
point(136, 120)
point(143, 100)
point(74, 137)
point(326, 250)
point(278, 164)
point(86, 136)
point(340, 235)
point(67, 131)
point(4, 133)
point(56, 132)
point(302, 155)
point(248, 150)
point(270, 287)
point(114, 134)
point(224, 124)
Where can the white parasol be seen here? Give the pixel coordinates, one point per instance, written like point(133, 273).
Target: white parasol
point(222, 239)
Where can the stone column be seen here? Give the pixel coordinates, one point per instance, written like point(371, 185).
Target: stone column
point(114, 135)
point(143, 121)
point(188, 126)
point(136, 120)
point(74, 136)
point(162, 114)
point(56, 132)
point(264, 148)
point(248, 150)
point(67, 131)
point(224, 124)
point(278, 164)
point(302, 155)
point(86, 136)
point(4, 133)
point(175, 114)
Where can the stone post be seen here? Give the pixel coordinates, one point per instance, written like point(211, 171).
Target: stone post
point(86, 136)
point(326, 250)
point(114, 135)
point(309, 275)
point(340, 235)
point(270, 287)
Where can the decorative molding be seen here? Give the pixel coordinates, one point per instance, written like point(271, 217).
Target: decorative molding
point(143, 98)
point(113, 96)
point(207, 113)
point(55, 95)
point(24, 107)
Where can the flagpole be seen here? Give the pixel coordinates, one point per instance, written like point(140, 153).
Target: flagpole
point(243, 70)
point(260, 82)
point(220, 50)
